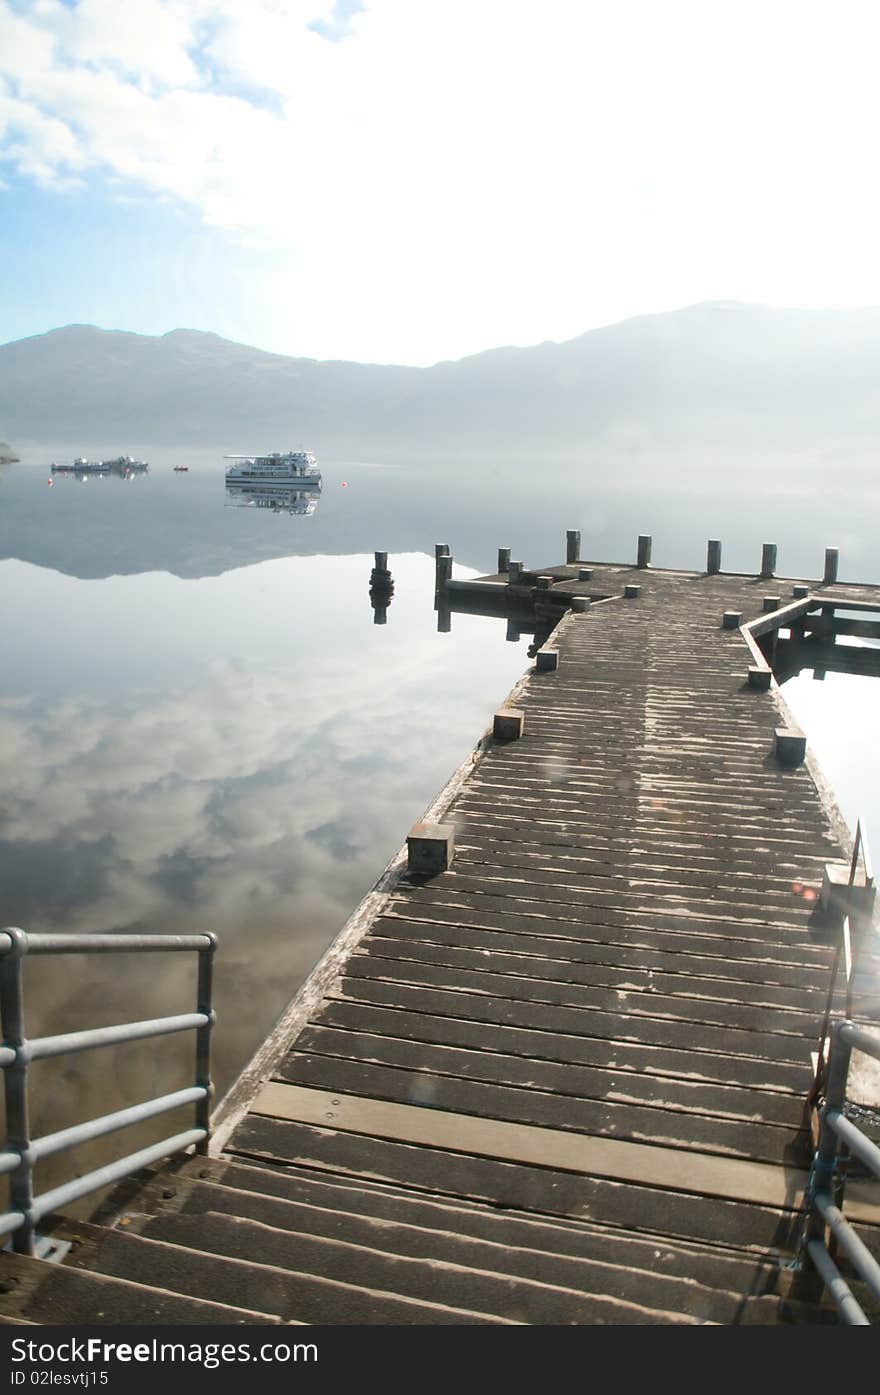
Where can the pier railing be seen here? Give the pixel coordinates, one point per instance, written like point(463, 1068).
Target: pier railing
point(21, 1153)
point(827, 1230)
point(843, 955)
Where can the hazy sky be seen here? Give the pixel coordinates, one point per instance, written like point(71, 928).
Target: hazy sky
point(411, 180)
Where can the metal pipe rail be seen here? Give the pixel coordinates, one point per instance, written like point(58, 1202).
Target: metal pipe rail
point(21, 1153)
point(843, 951)
point(827, 1180)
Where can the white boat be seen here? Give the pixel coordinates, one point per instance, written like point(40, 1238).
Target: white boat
point(295, 468)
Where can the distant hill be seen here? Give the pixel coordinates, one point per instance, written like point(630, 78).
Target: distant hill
point(719, 374)
point(7, 454)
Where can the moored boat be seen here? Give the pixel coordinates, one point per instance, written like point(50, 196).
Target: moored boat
point(293, 468)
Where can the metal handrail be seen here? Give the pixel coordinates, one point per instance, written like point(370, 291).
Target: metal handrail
point(844, 951)
point(21, 1152)
point(825, 1192)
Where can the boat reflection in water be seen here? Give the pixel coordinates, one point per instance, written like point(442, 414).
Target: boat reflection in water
point(276, 498)
point(123, 466)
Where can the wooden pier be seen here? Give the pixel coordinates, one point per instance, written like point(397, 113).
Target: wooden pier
point(565, 1079)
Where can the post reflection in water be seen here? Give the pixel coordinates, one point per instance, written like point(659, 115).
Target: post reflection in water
point(381, 588)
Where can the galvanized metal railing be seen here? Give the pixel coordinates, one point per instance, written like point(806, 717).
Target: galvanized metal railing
point(21, 1153)
point(840, 1138)
point(842, 954)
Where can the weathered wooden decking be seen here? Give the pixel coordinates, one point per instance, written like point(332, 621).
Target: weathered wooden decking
point(565, 1080)
point(605, 1009)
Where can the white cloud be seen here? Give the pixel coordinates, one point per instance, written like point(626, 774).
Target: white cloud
point(453, 174)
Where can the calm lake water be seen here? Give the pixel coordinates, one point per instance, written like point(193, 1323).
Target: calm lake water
point(202, 728)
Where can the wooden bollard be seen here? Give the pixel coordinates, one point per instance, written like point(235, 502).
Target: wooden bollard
point(430, 848)
point(832, 558)
point(441, 551)
point(759, 678)
point(585, 573)
point(731, 620)
point(546, 660)
point(791, 745)
point(572, 547)
point(544, 583)
point(631, 591)
point(771, 603)
point(514, 573)
point(768, 559)
point(579, 604)
point(503, 560)
point(713, 556)
point(643, 557)
point(508, 723)
point(800, 591)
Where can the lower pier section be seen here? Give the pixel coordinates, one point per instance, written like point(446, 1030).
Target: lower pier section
point(565, 1079)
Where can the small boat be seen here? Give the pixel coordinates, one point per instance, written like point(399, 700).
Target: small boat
point(181, 469)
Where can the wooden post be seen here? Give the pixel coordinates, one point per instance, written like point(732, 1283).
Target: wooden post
point(514, 573)
point(381, 561)
point(444, 571)
point(572, 547)
point(832, 557)
point(768, 559)
point(713, 557)
point(644, 553)
point(503, 560)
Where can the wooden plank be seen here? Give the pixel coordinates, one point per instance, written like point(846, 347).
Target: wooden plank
point(749, 1056)
point(626, 1001)
point(794, 1001)
point(456, 1020)
point(641, 1164)
point(571, 948)
point(661, 1124)
point(489, 1060)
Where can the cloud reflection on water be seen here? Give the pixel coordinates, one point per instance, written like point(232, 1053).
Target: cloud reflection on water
point(255, 788)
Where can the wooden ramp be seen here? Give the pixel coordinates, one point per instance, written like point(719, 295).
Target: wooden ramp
point(563, 1081)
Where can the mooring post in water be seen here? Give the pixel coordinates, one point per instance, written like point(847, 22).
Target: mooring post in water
point(441, 550)
point(444, 570)
point(644, 553)
point(514, 633)
point(444, 616)
point(503, 560)
point(832, 557)
point(768, 559)
point(713, 556)
point(572, 547)
point(514, 573)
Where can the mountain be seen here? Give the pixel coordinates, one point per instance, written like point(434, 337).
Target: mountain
point(720, 374)
point(7, 454)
